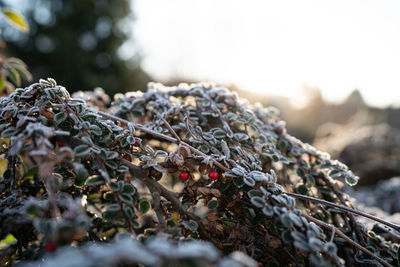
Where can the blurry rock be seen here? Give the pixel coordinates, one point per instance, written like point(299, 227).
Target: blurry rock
point(372, 151)
point(385, 195)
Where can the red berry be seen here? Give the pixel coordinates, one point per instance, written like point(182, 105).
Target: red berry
point(60, 144)
point(50, 246)
point(213, 175)
point(127, 157)
point(184, 176)
point(136, 143)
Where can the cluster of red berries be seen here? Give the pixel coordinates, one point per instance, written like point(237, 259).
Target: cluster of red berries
point(184, 176)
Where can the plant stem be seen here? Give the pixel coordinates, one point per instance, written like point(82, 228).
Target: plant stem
point(162, 136)
point(345, 237)
point(327, 203)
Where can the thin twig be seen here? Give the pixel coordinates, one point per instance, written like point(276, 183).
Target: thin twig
point(345, 237)
point(333, 233)
point(327, 203)
point(138, 126)
point(216, 109)
point(163, 136)
point(140, 174)
point(156, 203)
point(353, 221)
point(170, 129)
point(198, 136)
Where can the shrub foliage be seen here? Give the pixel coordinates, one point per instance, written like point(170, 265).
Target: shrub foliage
point(150, 174)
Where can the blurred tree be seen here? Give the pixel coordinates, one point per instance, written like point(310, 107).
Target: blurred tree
point(79, 42)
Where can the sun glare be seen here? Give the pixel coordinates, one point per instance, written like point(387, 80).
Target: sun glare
point(276, 46)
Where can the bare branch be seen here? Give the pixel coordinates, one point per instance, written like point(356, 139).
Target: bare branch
point(327, 203)
point(345, 237)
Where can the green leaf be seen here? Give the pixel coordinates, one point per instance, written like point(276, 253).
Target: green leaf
point(285, 219)
point(144, 206)
point(238, 171)
point(310, 180)
point(137, 113)
point(129, 211)
point(113, 165)
point(2, 83)
point(282, 144)
point(238, 181)
point(113, 208)
point(14, 76)
point(131, 128)
point(130, 139)
point(268, 211)
point(212, 204)
point(124, 142)
point(191, 225)
point(315, 244)
point(60, 117)
point(96, 130)
point(351, 179)
point(95, 180)
point(23, 72)
point(254, 192)
point(241, 137)
point(161, 153)
point(109, 215)
point(115, 186)
point(111, 155)
point(32, 172)
point(302, 189)
point(204, 149)
point(219, 134)
point(81, 150)
point(81, 176)
point(109, 196)
point(330, 248)
point(300, 172)
point(249, 181)
point(128, 189)
point(286, 237)
point(32, 209)
point(15, 19)
point(225, 185)
point(334, 173)
point(125, 198)
point(8, 241)
point(259, 202)
point(9, 132)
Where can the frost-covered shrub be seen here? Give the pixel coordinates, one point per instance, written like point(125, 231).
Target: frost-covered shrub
point(169, 166)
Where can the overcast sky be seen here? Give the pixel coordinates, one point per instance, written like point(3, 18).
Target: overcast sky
point(276, 46)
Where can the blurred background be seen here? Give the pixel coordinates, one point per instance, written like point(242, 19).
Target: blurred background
point(331, 67)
